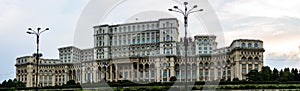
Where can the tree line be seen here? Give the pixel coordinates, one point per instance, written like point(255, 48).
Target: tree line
point(266, 74)
point(12, 83)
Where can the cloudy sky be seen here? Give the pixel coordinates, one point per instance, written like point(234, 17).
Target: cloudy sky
point(276, 22)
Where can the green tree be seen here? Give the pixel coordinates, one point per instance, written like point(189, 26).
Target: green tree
point(173, 78)
point(71, 82)
point(4, 83)
point(253, 75)
point(235, 79)
point(275, 74)
point(12, 83)
point(266, 73)
point(295, 74)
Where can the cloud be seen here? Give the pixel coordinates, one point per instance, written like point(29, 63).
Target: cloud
point(16, 16)
point(275, 22)
point(259, 8)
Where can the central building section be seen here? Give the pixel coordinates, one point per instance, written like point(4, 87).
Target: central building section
point(149, 51)
point(140, 39)
point(137, 50)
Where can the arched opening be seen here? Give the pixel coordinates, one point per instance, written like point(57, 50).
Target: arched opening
point(250, 58)
point(249, 45)
point(243, 58)
point(256, 59)
point(243, 45)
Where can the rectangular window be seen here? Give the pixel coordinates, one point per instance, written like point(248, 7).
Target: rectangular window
point(177, 74)
point(152, 73)
point(200, 48)
point(243, 70)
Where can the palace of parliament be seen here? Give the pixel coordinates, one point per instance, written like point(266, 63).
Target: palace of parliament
point(144, 51)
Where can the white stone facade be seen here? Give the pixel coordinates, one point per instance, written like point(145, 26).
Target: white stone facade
point(144, 51)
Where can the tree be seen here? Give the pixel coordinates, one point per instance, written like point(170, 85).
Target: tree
point(173, 78)
point(12, 83)
point(253, 75)
point(4, 83)
point(295, 74)
point(266, 73)
point(275, 74)
point(71, 82)
point(235, 79)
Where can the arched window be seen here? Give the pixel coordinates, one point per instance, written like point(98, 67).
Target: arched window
point(201, 64)
point(124, 29)
point(250, 59)
point(228, 62)
point(243, 58)
point(188, 66)
point(212, 64)
point(249, 45)
point(256, 59)
point(255, 45)
point(129, 28)
point(194, 66)
point(206, 64)
point(165, 65)
point(133, 28)
point(143, 27)
point(176, 66)
point(165, 73)
point(182, 66)
point(168, 37)
point(138, 27)
point(205, 40)
point(133, 41)
point(243, 45)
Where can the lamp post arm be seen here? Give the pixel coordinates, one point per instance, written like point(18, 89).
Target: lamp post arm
point(42, 32)
point(181, 12)
point(194, 11)
point(33, 32)
point(190, 11)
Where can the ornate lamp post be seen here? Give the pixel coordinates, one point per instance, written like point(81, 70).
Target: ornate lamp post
point(37, 55)
point(185, 14)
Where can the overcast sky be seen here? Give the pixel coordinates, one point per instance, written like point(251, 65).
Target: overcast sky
point(276, 22)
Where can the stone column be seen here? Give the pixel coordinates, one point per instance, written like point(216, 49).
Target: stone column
point(116, 73)
point(197, 72)
point(66, 78)
point(179, 73)
point(111, 75)
point(132, 73)
point(226, 73)
point(172, 65)
point(83, 75)
point(94, 75)
point(157, 67)
point(29, 79)
point(247, 68)
point(209, 76)
point(137, 72)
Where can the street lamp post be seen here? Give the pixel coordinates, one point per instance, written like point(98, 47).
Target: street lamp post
point(185, 14)
point(37, 55)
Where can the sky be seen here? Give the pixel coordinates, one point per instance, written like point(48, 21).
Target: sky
point(276, 22)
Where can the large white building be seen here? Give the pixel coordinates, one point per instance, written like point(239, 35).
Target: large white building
point(144, 51)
